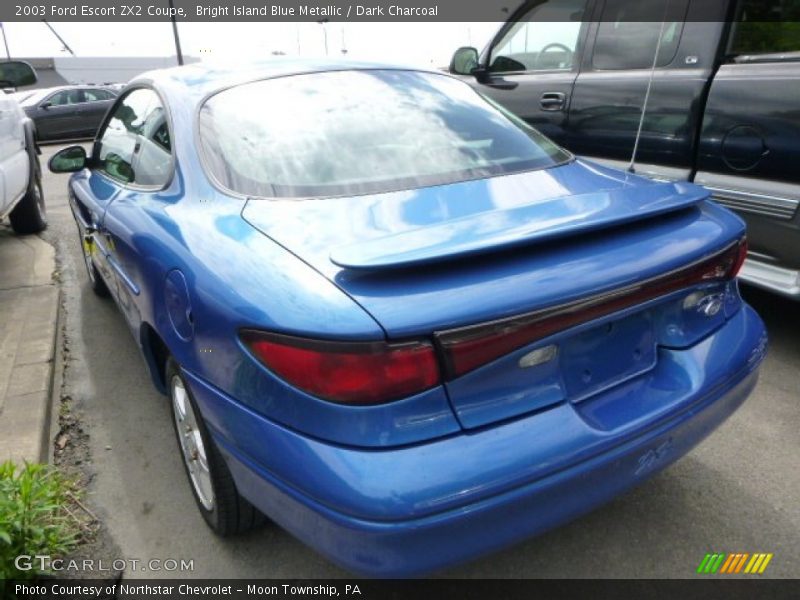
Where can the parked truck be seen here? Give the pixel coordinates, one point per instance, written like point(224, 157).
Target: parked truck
point(706, 90)
point(21, 196)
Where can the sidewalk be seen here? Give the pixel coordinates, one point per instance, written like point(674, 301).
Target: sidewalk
point(28, 321)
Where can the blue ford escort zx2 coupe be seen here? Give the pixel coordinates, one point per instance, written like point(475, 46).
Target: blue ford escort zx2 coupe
point(396, 320)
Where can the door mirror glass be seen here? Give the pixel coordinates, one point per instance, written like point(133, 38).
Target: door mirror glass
point(465, 61)
point(15, 73)
point(118, 167)
point(68, 160)
point(45, 105)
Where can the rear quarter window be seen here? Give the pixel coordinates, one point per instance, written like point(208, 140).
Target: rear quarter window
point(766, 28)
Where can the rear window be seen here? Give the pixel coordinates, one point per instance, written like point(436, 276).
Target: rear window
point(357, 132)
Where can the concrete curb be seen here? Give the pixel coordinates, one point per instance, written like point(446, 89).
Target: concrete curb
point(29, 315)
point(56, 381)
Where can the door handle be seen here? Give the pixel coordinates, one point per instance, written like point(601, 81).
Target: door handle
point(553, 101)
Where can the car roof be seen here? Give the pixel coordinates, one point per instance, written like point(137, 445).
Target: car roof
point(39, 94)
point(193, 83)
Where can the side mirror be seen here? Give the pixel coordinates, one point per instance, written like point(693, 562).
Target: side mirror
point(45, 105)
point(465, 61)
point(68, 160)
point(16, 73)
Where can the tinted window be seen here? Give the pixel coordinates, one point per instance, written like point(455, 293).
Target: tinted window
point(96, 95)
point(766, 27)
point(65, 97)
point(352, 132)
point(544, 39)
point(128, 149)
point(628, 34)
point(161, 137)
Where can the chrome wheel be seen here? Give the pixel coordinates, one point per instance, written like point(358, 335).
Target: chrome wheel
point(191, 442)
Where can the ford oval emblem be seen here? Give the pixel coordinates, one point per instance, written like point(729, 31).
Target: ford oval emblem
point(710, 305)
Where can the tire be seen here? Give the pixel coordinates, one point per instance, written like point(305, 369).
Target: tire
point(213, 488)
point(29, 216)
point(96, 282)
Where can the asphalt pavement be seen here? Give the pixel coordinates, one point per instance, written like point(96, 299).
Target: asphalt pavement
point(739, 491)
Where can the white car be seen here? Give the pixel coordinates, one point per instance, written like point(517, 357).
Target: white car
point(21, 197)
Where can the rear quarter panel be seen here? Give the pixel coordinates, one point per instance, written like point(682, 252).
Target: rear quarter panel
point(749, 144)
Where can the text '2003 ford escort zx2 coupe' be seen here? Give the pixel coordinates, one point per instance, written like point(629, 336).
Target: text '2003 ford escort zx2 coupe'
point(395, 319)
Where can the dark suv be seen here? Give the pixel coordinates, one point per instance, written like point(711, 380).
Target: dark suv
point(723, 108)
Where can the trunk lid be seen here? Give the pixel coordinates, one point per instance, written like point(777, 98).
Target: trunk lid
point(435, 261)
point(439, 246)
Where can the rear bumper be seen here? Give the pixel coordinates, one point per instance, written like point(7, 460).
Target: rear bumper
point(770, 277)
point(404, 511)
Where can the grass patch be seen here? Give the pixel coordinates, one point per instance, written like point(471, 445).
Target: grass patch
point(35, 518)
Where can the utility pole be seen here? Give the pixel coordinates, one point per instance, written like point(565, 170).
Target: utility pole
point(55, 33)
point(175, 33)
point(5, 41)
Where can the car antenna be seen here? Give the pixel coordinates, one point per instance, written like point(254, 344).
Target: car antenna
point(632, 166)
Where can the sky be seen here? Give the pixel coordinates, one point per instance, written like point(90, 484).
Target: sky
point(418, 44)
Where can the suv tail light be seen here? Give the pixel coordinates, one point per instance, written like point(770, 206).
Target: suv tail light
point(357, 373)
point(468, 348)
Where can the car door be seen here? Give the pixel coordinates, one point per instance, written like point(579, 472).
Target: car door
point(56, 114)
point(135, 155)
point(615, 77)
point(531, 65)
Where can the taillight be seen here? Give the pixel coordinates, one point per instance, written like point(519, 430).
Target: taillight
point(347, 372)
point(468, 348)
point(740, 258)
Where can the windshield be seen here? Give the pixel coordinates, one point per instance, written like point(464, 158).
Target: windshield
point(33, 97)
point(366, 131)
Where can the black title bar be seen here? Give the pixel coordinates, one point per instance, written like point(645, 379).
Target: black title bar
point(699, 588)
point(347, 10)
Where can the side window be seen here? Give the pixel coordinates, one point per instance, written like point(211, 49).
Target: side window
point(65, 97)
point(627, 36)
point(161, 137)
point(154, 159)
point(96, 95)
point(544, 39)
point(766, 28)
point(127, 150)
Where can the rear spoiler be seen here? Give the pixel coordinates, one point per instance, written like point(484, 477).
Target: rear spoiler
point(537, 223)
